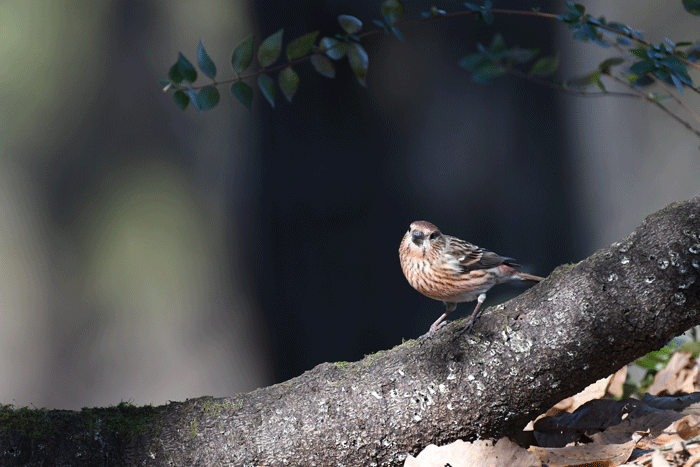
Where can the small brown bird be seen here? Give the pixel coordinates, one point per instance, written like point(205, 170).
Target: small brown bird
point(451, 270)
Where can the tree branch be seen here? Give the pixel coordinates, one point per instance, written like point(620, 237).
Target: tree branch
point(583, 323)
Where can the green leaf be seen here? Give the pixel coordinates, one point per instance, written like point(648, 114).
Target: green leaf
point(545, 66)
point(519, 56)
point(289, 82)
point(243, 93)
point(208, 97)
point(270, 49)
point(486, 16)
point(193, 98)
point(678, 68)
point(267, 86)
point(573, 16)
point(323, 65)
point(357, 56)
point(392, 11)
point(205, 63)
point(605, 65)
point(333, 47)
point(182, 70)
point(642, 68)
point(301, 45)
point(181, 99)
point(350, 24)
point(586, 80)
point(175, 75)
point(678, 83)
point(640, 52)
point(692, 6)
point(488, 73)
point(243, 55)
point(498, 44)
point(473, 62)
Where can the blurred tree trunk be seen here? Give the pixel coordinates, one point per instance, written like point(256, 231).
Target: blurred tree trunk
point(583, 323)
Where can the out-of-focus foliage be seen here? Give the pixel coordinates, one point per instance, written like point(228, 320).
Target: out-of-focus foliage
point(646, 63)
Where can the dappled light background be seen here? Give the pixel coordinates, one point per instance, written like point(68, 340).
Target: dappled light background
point(149, 254)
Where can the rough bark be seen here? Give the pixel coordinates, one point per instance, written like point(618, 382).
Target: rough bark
point(583, 323)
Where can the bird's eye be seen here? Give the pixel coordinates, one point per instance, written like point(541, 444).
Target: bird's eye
point(434, 235)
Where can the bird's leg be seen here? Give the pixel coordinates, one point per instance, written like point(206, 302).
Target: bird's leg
point(468, 326)
point(449, 308)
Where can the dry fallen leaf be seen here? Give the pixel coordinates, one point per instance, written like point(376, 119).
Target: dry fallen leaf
point(615, 388)
point(669, 378)
point(608, 455)
point(477, 454)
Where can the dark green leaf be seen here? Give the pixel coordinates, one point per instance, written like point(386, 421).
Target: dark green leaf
point(498, 44)
point(323, 65)
point(181, 99)
point(677, 68)
point(692, 6)
point(350, 24)
point(357, 56)
point(640, 52)
point(642, 68)
point(473, 62)
point(573, 16)
point(381, 25)
point(208, 97)
point(187, 69)
point(678, 83)
point(193, 98)
point(397, 33)
point(434, 11)
point(486, 16)
point(175, 75)
point(517, 55)
point(392, 11)
point(289, 82)
point(578, 7)
point(243, 93)
point(165, 82)
point(270, 49)
point(205, 63)
point(488, 73)
point(472, 7)
point(605, 65)
point(243, 55)
point(301, 45)
point(267, 86)
point(333, 48)
point(585, 81)
point(182, 70)
point(545, 66)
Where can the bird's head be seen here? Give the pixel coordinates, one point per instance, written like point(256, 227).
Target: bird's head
point(421, 239)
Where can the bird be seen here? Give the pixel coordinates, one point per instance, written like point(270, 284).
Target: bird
point(453, 271)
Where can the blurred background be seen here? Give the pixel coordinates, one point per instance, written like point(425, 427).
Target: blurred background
point(149, 254)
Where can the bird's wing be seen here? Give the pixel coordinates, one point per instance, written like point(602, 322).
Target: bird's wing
point(471, 257)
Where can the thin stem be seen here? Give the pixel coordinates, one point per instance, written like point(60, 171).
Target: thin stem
point(658, 104)
point(678, 101)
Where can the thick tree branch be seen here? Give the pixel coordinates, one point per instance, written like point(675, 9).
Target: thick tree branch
point(583, 323)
